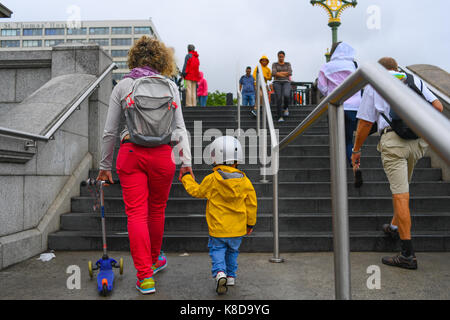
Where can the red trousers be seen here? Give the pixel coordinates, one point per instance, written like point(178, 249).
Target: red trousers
point(146, 176)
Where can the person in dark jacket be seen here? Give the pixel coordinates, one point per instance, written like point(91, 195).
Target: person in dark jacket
point(191, 75)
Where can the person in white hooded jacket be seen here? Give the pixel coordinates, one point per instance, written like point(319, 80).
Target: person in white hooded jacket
point(331, 75)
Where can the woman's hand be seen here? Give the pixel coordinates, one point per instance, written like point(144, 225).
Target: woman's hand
point(183, 170)
point(249, 231)
point(105, 175)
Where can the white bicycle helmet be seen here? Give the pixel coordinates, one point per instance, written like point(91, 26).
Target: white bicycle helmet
point(226, 150)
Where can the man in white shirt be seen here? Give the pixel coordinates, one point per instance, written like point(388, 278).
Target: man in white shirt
point(398, 156)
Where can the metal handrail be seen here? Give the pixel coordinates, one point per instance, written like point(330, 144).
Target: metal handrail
point(424, 120)
point(428, 123)
point(50, 133)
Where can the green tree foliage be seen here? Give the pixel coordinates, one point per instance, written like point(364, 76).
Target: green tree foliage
point(216, 98)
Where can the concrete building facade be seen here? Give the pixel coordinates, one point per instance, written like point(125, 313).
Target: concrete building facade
point(114, 36)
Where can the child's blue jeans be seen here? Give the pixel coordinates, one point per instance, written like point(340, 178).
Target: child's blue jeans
point(224, 253)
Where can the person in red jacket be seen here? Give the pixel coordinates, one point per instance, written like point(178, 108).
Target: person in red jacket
point(191, 74)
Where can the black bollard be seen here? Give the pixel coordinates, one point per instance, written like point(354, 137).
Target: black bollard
point(229, 99)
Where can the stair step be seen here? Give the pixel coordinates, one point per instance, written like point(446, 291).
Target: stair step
point(286, 204)
point(305, 189)
point(292, 162)
point(294, 222)
point(313, 175)
point(257, 242)
point(303, 140)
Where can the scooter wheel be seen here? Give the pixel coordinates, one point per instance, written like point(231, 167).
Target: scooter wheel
point(105, 290)
point(91, 274)
point(121, 266)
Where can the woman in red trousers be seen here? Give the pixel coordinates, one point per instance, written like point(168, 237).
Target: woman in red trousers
point(145, 174)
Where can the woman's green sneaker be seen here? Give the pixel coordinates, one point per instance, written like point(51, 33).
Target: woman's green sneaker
point(146, 286)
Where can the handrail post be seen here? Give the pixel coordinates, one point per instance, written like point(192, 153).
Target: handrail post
point(264, 142)
point(258, 104)
point(341, 237)
point(239, 111)
point(276, 236)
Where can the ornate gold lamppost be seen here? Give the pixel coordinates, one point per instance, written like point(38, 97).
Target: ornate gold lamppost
point(334, 9)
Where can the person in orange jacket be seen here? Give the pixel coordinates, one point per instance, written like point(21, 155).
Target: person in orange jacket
point(230, 210)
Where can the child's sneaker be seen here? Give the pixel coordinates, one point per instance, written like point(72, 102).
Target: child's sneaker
point(146, 286)
point(221, 283)
point(286, 113)
point(231, 281)
point(160, 264)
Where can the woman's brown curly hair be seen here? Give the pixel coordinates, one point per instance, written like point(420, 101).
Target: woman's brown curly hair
point(153, 53)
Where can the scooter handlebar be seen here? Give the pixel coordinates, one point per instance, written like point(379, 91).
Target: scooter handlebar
point(93, 182)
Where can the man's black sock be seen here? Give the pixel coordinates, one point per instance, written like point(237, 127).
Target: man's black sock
point(407, 249)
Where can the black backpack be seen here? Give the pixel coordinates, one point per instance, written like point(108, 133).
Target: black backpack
point(397, 124)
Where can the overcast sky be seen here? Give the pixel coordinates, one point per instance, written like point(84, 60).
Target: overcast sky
point(231, 34)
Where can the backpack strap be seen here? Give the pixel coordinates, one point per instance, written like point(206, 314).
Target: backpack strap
point(356, 66)
point(387, 119)
point(412, 84)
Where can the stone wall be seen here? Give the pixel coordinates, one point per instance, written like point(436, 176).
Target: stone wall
point(22, 73)
point(36, 190)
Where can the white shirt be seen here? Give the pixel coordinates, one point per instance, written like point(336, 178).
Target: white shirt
point(372, 105)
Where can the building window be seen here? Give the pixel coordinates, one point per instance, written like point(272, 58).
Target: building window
point(121, 30)
point(119, 53)
point(10, 43)
point(77, 31)
point(32, 32)
point(31, 43)
point(52, 43)
point(143, 30)
point(76, 40)
point(118, 76)
point(121, 64)
point(120, 42)
point(94, 31)
point(10, 32)
point(54, 31)
point(101, 42)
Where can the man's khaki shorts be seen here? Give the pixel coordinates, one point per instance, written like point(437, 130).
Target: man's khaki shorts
point(399, 156)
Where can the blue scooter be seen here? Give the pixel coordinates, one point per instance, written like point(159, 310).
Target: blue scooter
point(105, 278)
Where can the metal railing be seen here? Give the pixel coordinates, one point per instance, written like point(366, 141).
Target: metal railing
point(76, 105)
point(424, 120)
point(301, 94)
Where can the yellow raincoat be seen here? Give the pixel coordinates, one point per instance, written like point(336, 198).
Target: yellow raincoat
point(232, 203)
point(266, 70)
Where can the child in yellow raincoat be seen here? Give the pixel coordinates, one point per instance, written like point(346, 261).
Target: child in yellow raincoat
point(230, 210)
point(267, 74)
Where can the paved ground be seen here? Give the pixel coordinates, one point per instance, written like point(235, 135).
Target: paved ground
point(302, 276)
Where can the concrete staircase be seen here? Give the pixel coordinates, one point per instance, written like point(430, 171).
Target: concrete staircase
point(304, 204)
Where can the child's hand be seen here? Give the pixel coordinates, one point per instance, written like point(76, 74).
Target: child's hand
point(249, 231)
point(183, 170)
